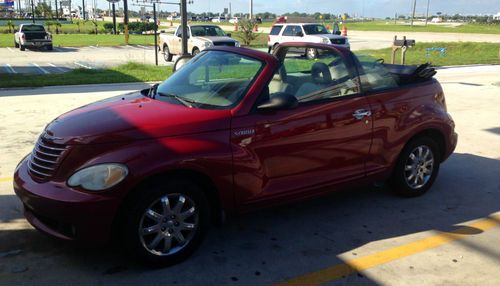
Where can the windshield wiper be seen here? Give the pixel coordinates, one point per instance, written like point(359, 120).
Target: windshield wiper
point(186, 102)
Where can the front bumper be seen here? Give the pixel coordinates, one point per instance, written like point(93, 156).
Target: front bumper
point(60, 211)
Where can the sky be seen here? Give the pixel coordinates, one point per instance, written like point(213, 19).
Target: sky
point(366, 8)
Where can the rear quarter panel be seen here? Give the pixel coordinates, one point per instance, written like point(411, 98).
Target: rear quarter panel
point(399, 115)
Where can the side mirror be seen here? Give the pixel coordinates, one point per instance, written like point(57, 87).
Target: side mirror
point(182, 60)
point(279, 101)
point(229, 35)
point(299, 34)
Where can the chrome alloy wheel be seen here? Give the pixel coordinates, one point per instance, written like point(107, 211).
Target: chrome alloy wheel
point(419, 167)
point(165, 230)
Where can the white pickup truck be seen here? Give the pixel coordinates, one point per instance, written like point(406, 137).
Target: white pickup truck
point(304, 32)
point(200, 37)
point(32, 36)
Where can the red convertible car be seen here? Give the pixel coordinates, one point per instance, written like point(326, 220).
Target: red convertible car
point(230, 131)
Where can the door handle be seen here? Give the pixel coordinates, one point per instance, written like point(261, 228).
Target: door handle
point(360, 113)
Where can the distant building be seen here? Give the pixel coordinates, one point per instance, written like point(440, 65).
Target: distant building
point(497, 16)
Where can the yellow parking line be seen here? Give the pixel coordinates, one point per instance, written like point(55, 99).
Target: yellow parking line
point(370, 261)
point(7, 179)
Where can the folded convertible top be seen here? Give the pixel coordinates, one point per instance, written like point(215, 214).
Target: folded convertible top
point(411, 74)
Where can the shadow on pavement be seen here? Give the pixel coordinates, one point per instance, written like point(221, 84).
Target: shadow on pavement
point(276, 244)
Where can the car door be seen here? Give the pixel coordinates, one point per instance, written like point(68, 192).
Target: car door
point(290, 34)
point(324, 141)
point(177, 47)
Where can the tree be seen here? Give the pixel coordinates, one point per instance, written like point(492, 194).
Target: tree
point(11, 26)
point(246, 26)
point(94, 22)
point(42, 9)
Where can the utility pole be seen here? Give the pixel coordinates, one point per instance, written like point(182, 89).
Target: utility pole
point(156, 33)
point(125, 20)
point(83, 9)
point(184, 27)
point(33, 11)
point(413, 13)
point(427, 12)
point(114, 18)
point(251, 10)
point(57, 12)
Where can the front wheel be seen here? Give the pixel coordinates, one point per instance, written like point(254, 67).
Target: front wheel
point(167, 223)
point(417, 168)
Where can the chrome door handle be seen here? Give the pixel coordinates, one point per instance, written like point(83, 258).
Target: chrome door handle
point(360, 113)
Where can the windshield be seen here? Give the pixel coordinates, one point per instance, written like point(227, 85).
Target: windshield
point(315, 29)
point(212, 80)
point(33, 28)
point(204, 31)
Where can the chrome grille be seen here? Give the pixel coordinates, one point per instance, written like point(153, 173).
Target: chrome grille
point(45, 159)
point(338, 41)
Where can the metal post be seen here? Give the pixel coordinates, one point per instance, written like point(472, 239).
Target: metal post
point(184, 27)
point(33, 11)
point(125, 20)
point(413, 13)
point(114, 19)
point(83, 9)
point(427, 12)
point(57, 12)
point(156, 32)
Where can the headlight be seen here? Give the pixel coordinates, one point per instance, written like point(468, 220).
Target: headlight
point(208, 44)
point(237, 44)
point(99, 177)
point(325, 41)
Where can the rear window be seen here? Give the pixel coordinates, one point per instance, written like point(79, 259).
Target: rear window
point(275, 30)
point(33, 28)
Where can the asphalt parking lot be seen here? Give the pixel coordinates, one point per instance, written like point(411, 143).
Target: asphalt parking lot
point(364, 236)
point(63, 59)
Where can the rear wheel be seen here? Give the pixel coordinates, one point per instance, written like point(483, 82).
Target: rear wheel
point(167, 223)
point(50, 47)
point(311, 53)
point(196, 51)
point(166, 54)
point(417, 168)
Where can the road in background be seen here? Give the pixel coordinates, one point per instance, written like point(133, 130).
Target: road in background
point(394, 241)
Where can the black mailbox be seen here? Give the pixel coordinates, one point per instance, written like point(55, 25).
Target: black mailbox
point(403, 42)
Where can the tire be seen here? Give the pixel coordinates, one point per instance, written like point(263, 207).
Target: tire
point(21, 47)
point(166, 54)
point(164, 227)
point(195, 51)
point(16, 44)
point(416, 168)
point(311, 53)
point(50, 48)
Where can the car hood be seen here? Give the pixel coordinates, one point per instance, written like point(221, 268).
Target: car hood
point(132, 117)
point(218, 39)
point(329, 36)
